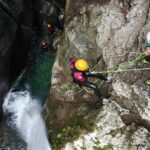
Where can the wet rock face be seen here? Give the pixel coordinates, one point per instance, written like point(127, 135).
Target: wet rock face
point(62, 3)
point(8, 30)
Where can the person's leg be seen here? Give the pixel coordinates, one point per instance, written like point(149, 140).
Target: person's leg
point(146, 59)
point(98, 75)
point(92, 86)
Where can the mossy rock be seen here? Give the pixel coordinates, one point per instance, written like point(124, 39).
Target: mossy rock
point(72, 129)
point(106, 147)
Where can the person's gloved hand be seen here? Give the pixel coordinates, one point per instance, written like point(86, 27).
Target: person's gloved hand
point(147, 52)
point(109, 79)
point(94, 72)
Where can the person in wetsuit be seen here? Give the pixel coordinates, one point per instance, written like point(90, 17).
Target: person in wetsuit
point(80, 73)
point(147, 54)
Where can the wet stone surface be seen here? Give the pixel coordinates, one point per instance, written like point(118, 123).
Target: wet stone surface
point(8, 141)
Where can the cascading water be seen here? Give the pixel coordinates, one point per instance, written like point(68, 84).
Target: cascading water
point(24, 115)
point(23, 104)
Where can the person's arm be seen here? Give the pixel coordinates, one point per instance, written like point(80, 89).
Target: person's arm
point(96, 75)
point(71, 66)
point(99, 76)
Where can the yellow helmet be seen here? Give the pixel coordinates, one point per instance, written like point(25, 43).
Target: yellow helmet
point(81, 65)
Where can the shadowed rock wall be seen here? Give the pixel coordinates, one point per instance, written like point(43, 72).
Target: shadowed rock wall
point(17, 24)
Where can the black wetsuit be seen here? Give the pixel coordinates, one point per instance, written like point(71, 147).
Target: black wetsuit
point(147, 58)
point(88, 84)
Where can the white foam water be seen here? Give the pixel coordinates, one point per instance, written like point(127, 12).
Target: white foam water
point(25, 115)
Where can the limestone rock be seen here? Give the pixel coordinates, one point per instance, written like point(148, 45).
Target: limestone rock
point(110, 35)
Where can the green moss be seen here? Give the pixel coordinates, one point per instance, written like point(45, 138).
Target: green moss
point(73, 129)
point(96, 141)
point(98, 13)
point(106, 147)
point(83, 148)
point(97, 147)
point(94, 31)
point(66, 86)
point(127, 65)
point(129, 135)
point(88, 14)
point(132, 63)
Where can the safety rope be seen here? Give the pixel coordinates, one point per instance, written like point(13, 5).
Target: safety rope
point(109, 71)
point(121, 70)
point(118, 70)
point(114, 70)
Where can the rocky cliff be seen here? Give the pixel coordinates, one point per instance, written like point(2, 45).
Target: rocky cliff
point(110, 34)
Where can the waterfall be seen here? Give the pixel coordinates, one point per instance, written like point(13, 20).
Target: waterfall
point(24, 114)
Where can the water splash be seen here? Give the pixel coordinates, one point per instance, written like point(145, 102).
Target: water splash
point(24, 115)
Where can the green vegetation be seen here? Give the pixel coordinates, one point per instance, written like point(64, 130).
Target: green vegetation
point(73, 129)
point(94, 31)
point(128, 66)
point(97, 147)
point(88, 14)
point(66, 86)
point(129, 135)
point(106, 147)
